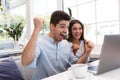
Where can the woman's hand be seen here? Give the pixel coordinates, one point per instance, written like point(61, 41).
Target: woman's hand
point(88, 46)
point(75, 47)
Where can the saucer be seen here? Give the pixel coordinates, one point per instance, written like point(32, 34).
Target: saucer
point(88, 77)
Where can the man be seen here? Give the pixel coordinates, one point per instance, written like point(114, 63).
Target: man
point(51, 54)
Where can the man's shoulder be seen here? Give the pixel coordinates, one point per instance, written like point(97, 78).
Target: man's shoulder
point(66, 43)
point(42, 37)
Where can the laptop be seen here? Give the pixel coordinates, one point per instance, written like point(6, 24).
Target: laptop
point(109, 57)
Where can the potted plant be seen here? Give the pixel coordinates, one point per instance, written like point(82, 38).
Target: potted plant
point(16, 27)
point(70, 13)
point(14, 31)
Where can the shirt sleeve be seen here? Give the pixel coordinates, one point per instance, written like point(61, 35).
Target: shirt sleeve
point(73, 58)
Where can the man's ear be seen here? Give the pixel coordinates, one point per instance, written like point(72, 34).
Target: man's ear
point(52, 26)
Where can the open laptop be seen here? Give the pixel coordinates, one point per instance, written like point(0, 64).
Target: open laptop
point(109, 57)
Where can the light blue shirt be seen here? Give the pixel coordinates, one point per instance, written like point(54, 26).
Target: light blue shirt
point(50, 58)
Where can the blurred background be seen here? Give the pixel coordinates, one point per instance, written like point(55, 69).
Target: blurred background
point(100, 17)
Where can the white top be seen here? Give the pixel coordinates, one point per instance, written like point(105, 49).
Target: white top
point(81, 50)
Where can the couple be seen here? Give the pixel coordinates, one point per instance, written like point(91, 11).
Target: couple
point(51, 54)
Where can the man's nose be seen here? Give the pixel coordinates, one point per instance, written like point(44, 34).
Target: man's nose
point(65, 30)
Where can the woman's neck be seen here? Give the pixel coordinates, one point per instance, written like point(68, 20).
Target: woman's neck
point(76, 41)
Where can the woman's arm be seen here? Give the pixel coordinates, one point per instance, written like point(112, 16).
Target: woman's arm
point(88, 48)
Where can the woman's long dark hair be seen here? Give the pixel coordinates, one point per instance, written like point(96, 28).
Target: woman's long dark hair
point(70, 36)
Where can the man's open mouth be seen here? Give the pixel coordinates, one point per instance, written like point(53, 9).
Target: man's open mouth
point(63, 34)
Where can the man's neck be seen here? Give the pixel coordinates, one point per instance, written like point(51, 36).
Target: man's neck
point(51, 35)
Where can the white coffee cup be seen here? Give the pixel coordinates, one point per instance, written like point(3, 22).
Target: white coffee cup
point(79, 70)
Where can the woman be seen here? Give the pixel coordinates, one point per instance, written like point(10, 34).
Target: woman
point(81, 47)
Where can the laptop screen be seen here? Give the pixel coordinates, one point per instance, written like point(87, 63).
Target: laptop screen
point(110, 54)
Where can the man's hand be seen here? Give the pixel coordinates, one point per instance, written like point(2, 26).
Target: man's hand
point(38, 23)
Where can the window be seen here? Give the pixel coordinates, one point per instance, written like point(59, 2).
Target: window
point(43, 8)
point(100, 17)
point(11, 16)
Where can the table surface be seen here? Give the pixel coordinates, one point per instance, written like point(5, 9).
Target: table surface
point(10, 51)
point(111, 75)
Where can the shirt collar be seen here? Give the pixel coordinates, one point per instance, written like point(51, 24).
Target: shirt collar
point(51, 39)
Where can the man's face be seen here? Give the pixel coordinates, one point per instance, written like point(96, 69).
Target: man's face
point(60, 30)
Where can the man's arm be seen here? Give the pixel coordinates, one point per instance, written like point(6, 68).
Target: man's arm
point(29, 50)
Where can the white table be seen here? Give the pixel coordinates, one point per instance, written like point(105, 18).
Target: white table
point(111, 75)
point(11, 51)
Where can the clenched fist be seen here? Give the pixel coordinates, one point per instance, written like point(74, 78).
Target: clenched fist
point(38, 23)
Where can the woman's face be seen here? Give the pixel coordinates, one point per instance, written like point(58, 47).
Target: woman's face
point(77, 31)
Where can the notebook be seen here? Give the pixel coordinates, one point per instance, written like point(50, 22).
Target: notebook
point(109, 57)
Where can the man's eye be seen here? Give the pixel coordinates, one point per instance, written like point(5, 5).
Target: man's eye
point(62, 26)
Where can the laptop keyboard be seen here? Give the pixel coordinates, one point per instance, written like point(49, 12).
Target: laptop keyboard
point(93, 68)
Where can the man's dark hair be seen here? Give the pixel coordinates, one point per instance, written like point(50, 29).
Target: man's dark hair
point(58, 16)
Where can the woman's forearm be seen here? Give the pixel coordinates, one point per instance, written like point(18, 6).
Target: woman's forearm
point(83, 58)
